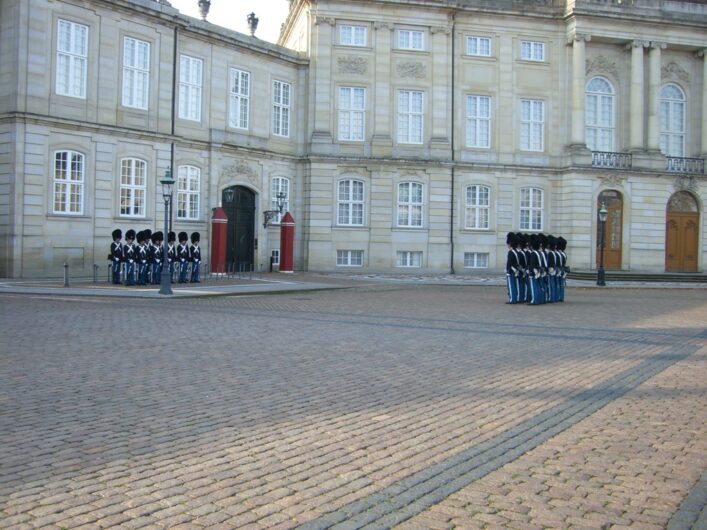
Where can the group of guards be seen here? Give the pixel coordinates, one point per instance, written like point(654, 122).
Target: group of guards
point(140, 260)
point(536, 268)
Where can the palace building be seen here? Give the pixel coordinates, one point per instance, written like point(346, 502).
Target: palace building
point(401, 135)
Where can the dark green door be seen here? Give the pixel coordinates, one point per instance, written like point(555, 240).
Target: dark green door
point(240, 240)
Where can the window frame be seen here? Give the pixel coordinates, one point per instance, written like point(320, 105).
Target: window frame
point(73, 187)
point(476, 208)
point(136, 194)
point(530, 126)
point(529, 48)
point(411, 41)
point(72, 61)
point(407, 117)
point(350, 208)
point(473, 263)
point(527, 222)
point(279, 184)
point(136, 77)
point(190, 88)
point(476, 122)
point(188, 200)
point(345, 258)
point(358, 35)
point(406, 259)
point(475, 41)
point(281, 108)
point(593, 128)
point(348, 115)
point(238, 98)
point(668, 134)
point(410, 204)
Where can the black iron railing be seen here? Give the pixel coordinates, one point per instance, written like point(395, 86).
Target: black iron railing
point(679, 164)
point(611, 160)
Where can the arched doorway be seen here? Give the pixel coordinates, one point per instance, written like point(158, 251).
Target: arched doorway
point(613, 229)
point(239, 205)
point(681, 233)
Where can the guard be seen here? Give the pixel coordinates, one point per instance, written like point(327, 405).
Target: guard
point(116, 255)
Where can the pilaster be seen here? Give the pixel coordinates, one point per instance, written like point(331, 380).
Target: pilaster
point(637, 112)
point(441, 104)
point(703, 54)
point(654, 72)
point(579, 81)
point(324, 27)
point(382, 141)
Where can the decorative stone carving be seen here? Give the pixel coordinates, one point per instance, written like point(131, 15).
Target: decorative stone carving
point(241, 169)
point(674, 72)
point(440, 29)
point(685, 183)
point(318, 21)
point(352, 65)
point(610, 180)
point(578, 37)
point(414, 69)
point(602, 65)
point(683, 201)
point(382, 25)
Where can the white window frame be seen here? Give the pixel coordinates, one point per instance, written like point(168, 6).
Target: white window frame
point(411, 39)
point(411, 259)
point(275, 254)
point(599, 115)
point(191, 75)
point(478, 121)
point(478, 46)
point(136, 73)
point(350, 202)
point(349, 258)
point(353, 35)
point(411, 201)
point(68, 182)
point(239, 95)
point(531, 50)
point(672, 139)
point(188, 193)
point(71, 59)
point(476, 260)
point(281, 105)
point(532, 125)
point(411, 117)
point(352, 114)
point(532, 202)
point(279, 184)
point(477, 211)
point(133, 187)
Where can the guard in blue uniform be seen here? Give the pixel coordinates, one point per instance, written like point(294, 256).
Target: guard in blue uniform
point(512, 268)
point(183, 256)
point(523, 266)
point(141, 258)
point(129, 255)
point(195, 257)
point(535, 271)
point(561, 249)
point(147, 233)
point(171, 254)
point(116, 255)
point(156, 252)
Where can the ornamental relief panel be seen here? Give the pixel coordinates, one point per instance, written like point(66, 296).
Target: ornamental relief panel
point(674, 72)
point(239, 170)
point(611, 181)
point(602, 65)
point(413, 69)
point(352, 65)
point(685, 183)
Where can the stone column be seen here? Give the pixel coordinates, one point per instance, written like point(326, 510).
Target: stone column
point(654, 70)
point(379, 106)
point(637, 112)
point(322, 80)
point(440, 103)
point(579, 82)
point(703, 54)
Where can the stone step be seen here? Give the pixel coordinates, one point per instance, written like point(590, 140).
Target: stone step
point(637, 276)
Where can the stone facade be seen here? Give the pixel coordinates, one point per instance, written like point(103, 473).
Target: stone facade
point(419, 133)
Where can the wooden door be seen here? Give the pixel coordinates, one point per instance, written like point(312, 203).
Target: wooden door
point(613, 229)
point(681, 233)
point(240, 234)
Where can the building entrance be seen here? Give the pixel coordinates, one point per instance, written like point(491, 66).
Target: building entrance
point(240, 235)
point(681, 233)
point(613, 229)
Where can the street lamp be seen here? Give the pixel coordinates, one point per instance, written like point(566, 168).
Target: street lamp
point(268, 215)
point(167, 184)
point(602, 228)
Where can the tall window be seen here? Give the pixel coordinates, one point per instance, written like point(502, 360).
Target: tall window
point(133, 186)
point(281, 108)
point(136, 73)
point(410, 118)
point(190, 80)
point(477, 209)
point(532, 124)
point(71, 59)
point(672, 120)
point(478, 121)
point(531, 209)
point(240, 99)
point(349, 203)
point(600, 115)
point(280, 185)
point(480, 46)
point(411, 39)
point(352, 105)
point(407, 258)
point(532, 50)
point(68, 182)
point(352, 35)
point(188, 192)
point(410, 204)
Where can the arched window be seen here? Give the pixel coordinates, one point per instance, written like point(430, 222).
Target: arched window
point(133, 186)
point(478, 201)
point(349, 203)
point(280, 185)
point(599, 119)
point(188, 192)
point(672, 120)
point(410, 201)
point(68, 182)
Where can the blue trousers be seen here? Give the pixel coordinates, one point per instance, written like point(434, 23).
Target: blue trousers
point(156, 273)
point(115, 269)
point(513, 289)
point(130, 273)
point(522, 283)
point(183, 267)
point(537, 296)
point(195, 266)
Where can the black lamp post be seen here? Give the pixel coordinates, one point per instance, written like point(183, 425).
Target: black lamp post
point(268, 215)
point(167, 184)
point(602, 229)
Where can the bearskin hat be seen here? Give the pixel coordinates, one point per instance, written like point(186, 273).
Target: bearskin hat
point(535, 241)
point(183, 236)
point(157, 236)
point(117, 234)
point(561, 243)
point(171, 237)
point(195, 236)
point(543, 240)
point(130, 234)
point(551, 242)
point(140, 236)
point(511, 239)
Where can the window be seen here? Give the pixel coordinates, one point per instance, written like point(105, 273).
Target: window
point(352, 35)
point(410, 122)
point(478, 121)
point(275, 255)
point(410, 204)
point(411, 40)
point(190, 76)
point(672, 120)
point(531, 209)
point(281, 108)
point(349, 258)
point(406, 258)
point(349, 203)
point(532, 51)
point(71, 59)
point(476, 260)
point(188, 186)
point(133, 186)
point(532, 125)
point(279, 185)
point(352, 104)
point(240, 99)
point(599, 118)
point(68, 182)
point(477, 207)
point(480, 46)
point(136, 73)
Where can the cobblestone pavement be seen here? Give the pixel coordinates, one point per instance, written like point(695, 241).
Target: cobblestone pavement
point(380, 406)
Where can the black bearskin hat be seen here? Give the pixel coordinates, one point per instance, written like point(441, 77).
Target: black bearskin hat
point(511, 239)
point(117, 234)
point(535, 241)
point(195, 236)
point(183, 236)
point(561, 243)
point(551, 242)
point(130, 234)
point(157, 236)
point(171, 237)
point(140, 236)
